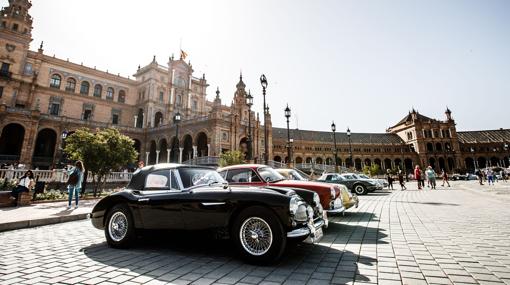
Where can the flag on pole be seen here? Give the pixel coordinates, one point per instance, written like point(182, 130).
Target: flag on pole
point(183, 55)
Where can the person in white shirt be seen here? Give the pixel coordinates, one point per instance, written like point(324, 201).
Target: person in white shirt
point(25, 183)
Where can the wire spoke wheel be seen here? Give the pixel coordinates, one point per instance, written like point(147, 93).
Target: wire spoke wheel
point(256, 236)
point(118, 226)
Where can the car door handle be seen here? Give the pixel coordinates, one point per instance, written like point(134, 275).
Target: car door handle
point(213, 203)
point(143, 200)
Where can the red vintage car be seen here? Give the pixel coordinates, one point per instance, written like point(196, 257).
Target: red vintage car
point(263, 175)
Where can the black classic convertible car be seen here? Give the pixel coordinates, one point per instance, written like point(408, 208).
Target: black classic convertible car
point(180, 197)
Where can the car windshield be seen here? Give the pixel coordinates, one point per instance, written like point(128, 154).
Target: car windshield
point(192, 177)
point(294, 175)
point(337, 178)
point(363, 176)
point(270, 175)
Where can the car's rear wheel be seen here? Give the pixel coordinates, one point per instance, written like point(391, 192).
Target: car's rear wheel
point(259, 235)
point(359, 189)
point(119, 227)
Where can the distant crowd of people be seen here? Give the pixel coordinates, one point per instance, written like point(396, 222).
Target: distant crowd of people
point(490, 176)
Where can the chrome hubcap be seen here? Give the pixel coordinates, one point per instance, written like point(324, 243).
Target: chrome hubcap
point(256, 236)
point(118, 226)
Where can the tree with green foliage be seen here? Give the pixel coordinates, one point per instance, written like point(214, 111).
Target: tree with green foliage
point(231, 157)
point(371, 170)
point(101, 152)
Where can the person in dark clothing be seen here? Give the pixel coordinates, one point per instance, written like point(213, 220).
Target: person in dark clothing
point(390, 179)
point(25, 183)
point(401, 180)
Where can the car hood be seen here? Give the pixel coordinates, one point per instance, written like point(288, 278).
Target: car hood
point(302, 184)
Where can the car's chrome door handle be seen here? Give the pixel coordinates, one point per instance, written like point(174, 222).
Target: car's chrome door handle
point(143, 200)
point(213, 203)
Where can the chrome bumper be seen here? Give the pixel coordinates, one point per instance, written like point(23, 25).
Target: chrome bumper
point(305, 231)
point(336, 207)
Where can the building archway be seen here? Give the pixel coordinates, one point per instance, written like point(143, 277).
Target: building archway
point(138, 146)
point(163, 153)
point(470, 163)
point(277, 158)
point(451, 163)
point(378, 162)
point(439, 147)
point(357, 164)
point(299, 159)
point(442, 163)
point(432, 162)
point(387, 164)
point(329, 161)
point(430, 147)
point(202, 147)
point(187, 145)
point(308, 160)
point(408, 164)
point(174, 150)
point(152, 153)
point(494, 161)
point(158, 119)
point(139, 118)
point(11, 142)
point(368, 162)
point(318, 160)
point(482, 162)
point(44, 149)
point(398, 163)
point(243, 146)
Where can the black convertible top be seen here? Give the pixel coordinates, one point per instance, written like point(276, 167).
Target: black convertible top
point(138, 180)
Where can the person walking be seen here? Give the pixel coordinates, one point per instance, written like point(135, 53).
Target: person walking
point(431, 177)
point(25, 184)
point(390, 179)
point(445, 178)
point(480, 176)
point(417, 176)
point(490, 176)
point(401, 180)
point(74, 182)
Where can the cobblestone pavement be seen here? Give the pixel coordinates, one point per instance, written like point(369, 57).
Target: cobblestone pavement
point(403, 237)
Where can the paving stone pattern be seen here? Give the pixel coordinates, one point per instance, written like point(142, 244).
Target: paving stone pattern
point(403, 237)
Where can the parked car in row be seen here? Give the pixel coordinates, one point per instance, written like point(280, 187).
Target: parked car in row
point(349, 200)
point(260, 221)
point(383, 182)
point(357, 185)
point(263, 175)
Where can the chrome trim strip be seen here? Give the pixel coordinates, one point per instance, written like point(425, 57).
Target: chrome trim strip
point(304, 231)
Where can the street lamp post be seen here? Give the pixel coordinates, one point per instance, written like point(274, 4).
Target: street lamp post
point(350, 146)
point(289, 157)
point(177, 120)
point(403, 159)
point(249, 103)
point(333, 129)
point(62, 146)
point(263, 82)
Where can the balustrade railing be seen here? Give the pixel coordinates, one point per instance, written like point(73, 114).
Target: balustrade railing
point(60, 175)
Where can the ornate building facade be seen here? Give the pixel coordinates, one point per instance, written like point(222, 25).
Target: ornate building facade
point(42, 97)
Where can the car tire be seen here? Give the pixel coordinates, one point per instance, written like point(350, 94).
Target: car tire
point(264, 245)
point(119, 227)
point(359, 189)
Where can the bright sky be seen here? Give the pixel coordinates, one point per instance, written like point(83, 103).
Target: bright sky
point(361, 63)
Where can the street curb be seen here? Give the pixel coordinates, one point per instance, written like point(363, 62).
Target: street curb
point(41, 222)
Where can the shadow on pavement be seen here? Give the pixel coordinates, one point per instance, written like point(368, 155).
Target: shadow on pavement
point(431, 203)
point(169, 257)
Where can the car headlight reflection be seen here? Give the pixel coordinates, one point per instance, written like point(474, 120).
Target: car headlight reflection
point(316, 199)
point(333, 193)
point(293, 205)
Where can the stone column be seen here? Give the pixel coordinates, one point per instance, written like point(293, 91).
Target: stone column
point(208, 149)
point(167, 155)
point(180, 154)
point(157, 156)
point(147, 158)
point(195, 152)
point(136, 120)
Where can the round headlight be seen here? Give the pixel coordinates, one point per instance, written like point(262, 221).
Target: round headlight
point(316, 199)
point(293, 205)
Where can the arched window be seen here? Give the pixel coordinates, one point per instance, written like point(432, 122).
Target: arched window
point(70, 84)
point(84, 88)
point(122, 96)
point(109, 93)
point(55, 81)
point(178, 100)
point(98, 89)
